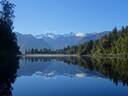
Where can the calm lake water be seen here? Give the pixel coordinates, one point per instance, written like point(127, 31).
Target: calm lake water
point(64, 77)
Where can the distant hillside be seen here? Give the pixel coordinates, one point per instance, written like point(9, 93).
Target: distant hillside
point(55, 41)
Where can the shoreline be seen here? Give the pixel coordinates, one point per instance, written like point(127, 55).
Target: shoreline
point(49, 55)
point(75, 55)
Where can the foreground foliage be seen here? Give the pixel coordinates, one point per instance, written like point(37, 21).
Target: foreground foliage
point(8, 39)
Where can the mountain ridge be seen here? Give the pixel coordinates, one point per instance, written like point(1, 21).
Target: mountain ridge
point(55, 41)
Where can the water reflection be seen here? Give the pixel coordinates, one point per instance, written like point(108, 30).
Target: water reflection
point(49, 67)
point(8, 69)
point(70, 69)
point(71, 76)
point(111, 68)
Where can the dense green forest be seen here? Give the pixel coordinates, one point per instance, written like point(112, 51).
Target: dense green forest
point(115, 42)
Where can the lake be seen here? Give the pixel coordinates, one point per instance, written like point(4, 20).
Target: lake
point(64, 76)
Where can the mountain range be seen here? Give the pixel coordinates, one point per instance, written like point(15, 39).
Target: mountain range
point(55, 41)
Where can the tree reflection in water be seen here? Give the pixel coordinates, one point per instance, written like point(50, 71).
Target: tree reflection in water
point(8, 68)
point(113, 68)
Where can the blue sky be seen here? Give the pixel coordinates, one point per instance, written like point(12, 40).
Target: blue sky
point(65, 16)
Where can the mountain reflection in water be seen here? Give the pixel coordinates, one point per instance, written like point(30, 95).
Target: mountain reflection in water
point(114, 69)
point(51, 67)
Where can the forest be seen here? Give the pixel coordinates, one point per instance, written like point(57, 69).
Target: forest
point(116, 42)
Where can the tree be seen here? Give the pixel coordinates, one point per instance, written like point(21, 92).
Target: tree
point(8, 39)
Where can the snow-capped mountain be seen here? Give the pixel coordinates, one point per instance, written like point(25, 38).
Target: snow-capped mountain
point(55, 41)
point(47, 35)
point(54, 36)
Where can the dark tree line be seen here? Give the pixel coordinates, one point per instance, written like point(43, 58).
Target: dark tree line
point(8, 41)
point(66, 50)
